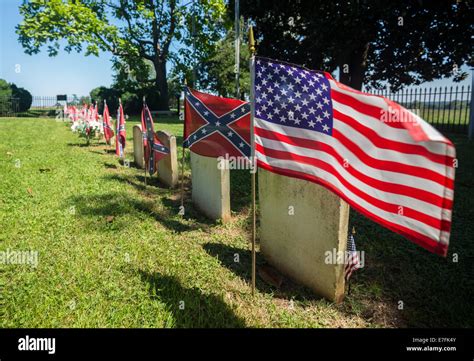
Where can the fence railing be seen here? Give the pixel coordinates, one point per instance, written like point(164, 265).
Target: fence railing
point(446, 108)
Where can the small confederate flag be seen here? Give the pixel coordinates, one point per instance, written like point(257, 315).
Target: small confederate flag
point(153, 149)
point(108, 131)
point(120, 131)
point(216, 126)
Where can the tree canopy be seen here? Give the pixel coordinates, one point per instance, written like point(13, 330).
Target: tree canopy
point(139, 33)
point(370, 42)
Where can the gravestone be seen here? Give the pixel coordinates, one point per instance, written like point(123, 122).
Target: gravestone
point(138, 146)
point(168, 165)
point(300, 222)
point(211, 186)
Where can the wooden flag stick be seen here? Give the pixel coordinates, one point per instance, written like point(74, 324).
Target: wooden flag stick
point(252, 104)
point(183, 153)
point(146, 163)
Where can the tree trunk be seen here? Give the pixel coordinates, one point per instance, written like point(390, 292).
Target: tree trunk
point(357, 62)
point(161, 84)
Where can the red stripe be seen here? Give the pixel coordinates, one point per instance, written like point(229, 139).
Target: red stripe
point(385, 143)
point(416, 237)
point(392, 165)
point(413, 192)
point(386, 206)
point(367, 109)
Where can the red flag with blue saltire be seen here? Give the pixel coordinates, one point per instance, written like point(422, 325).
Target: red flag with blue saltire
point(108, 131)
point(215, 126)
point(120, 132)
point(153, 149)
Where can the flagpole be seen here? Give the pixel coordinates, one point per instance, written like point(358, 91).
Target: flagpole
point(237, 49)
point(253, 163)
point(107, 142)
point(147, 142)
point(182, 155)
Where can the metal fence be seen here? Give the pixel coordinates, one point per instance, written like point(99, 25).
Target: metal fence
point(446, 108)
point(48, 102)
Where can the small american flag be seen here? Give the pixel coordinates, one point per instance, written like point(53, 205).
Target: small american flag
point(396, 171)
point(352, 258)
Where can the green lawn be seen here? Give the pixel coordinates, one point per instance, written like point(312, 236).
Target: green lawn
point(114, 253)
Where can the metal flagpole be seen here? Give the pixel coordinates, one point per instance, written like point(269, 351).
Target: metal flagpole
point(252, 140)
point(237, 49)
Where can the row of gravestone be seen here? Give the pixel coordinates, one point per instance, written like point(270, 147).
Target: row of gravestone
point(302, 226)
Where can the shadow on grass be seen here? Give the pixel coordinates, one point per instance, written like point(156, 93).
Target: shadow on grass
point(92, 144)
point(200, 310)
point(240, 190)
point(116, 204)
point(227, 254)
point(169, 198)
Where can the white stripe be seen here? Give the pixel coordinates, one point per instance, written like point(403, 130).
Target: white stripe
point(380, 102)
point(388, 132)
point(372, 150)
point(395, 177)
point(393, 198)
point(394, 218)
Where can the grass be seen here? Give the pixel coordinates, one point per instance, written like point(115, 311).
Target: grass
point(114, 253)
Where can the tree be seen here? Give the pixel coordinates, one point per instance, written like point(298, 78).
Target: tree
point(24, 97)
point(110, 95)
point(5, 97)
point(370, 42)
point(134, 31)
point(220, 68)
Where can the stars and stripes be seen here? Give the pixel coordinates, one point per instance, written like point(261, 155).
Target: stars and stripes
point(215, 126)
point(154, 150)
point(352, 261)
point(397, 171)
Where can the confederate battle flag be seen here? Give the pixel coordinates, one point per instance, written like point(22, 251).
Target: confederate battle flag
point(215, 126)
point(120, 131)
point(108, 131)
point(153, 149)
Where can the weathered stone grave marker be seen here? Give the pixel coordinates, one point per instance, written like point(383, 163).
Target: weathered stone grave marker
point(300, 222)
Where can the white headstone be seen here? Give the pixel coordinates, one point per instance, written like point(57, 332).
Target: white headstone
point(211, 187)
point(138, 146)
point(302, 227)
point(168, 165)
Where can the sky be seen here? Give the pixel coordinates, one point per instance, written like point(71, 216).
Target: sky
point(67, 73)
point(43, 75)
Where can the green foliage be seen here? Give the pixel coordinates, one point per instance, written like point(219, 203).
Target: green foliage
point(24, 97)
point(138, 33)
point(220, 68)
point(5, 89)
point(399, 42)
point(110, 95)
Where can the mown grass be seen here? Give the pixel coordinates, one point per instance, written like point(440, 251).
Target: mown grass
point(114, 253)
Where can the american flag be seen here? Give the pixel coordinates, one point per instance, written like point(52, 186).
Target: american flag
point(352, 258)
point(385, 161)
